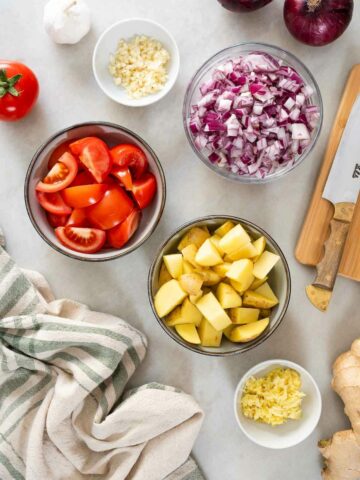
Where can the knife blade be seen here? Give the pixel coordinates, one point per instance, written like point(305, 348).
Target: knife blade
point(341, 189)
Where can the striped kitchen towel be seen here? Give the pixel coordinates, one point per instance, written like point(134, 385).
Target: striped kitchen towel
point(64, 411)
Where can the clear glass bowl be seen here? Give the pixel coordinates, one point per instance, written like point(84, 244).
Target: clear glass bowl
point(192, 96)
point(279, 279)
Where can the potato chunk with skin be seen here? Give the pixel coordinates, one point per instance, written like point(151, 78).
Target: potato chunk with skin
point(246, 251)
point(188, 332)
point(194, 298)
point(234, 239)
point(246, 333)
point(224, 229)
point(208, 255)
point(257, 283)
point(213, 311)
point(189, 254)
point(243, 315)
point(265, 263)
point(242, 272)
point(169, 296)
point(164, 275)
point(266, 290)
point(255, 299)
point(190, 313)
point(209, 277)
point(175, 318)
point(259, 245)
point(174, 264)
point(195, 236)
point(209, 337)
point(191, 283)
point(239, 287)
point(222, 269)
point(227, 296)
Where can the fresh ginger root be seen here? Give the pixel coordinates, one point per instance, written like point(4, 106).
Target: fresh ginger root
point(342, 452)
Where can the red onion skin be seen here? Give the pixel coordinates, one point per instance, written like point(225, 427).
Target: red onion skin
point(243, 5)
point(319, 25)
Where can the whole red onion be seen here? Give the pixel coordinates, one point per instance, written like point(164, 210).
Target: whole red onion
point(243, 5)
point(317, 22)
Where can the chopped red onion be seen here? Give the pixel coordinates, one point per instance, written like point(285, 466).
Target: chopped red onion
point(254, 116)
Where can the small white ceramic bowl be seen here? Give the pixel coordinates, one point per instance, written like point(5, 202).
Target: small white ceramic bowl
point(293, 431)
point(107, 44)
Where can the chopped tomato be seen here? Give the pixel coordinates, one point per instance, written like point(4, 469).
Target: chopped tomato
point(60, 176)
point(57, 220)
point(144, 189)
point(57, 153)
point(53, 203)
point(77, 218)
point(118, 236)
point(95, 155)
point(82, 178)
point(123, 175)
point(84, 195)
point(84, 240)
point(112, 209)
point(131, 156)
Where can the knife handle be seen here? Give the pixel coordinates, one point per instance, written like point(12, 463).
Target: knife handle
point(328, 267)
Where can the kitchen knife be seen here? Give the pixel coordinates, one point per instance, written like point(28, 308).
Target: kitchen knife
point(341, 189)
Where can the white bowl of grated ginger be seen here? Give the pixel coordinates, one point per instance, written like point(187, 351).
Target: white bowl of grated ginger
point(136, 62)
point(277, 404)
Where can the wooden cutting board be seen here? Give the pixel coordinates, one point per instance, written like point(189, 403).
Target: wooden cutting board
point(315, 230)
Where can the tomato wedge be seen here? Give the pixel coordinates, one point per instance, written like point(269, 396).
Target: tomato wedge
point(83, 195)
point(77, 219)
point(60, 176)
point(144, 189)
point(53, 203)
point(95, 155)
point(112, 209)
point(82, 178)
point(131, 156)
point(84, 240)
point(123, 175)
point(57, 220)
point(118, 236)
point(57, 153)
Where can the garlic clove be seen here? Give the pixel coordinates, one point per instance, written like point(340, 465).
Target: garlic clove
point(67, 21)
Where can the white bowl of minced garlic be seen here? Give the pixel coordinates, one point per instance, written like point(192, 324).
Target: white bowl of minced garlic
point(277, 404)
point(136, 62)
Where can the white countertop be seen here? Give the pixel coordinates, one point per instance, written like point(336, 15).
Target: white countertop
point(70, 95)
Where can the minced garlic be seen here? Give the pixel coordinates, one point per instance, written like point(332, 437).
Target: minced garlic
point(274, 398)
point(140, 66)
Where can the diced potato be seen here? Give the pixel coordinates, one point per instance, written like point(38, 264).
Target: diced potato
point(189, 254)
point(265, 312)
point(237, 285)
point(187, 267)
point(209, 277)
point(191, 283)
point(255, 299)
point(194, 298)
point(246, 333)
point(224, 229)
point(266, 290)
point(208, 255)
point(169, 296)
point(190, 313)
point(215, 239)
point(174, 264)
point(246, 251)
point(222, 269)
point(242, 272)
point(188, 332)
point(234, 239)
point(196, 236)
point(227, 331)
point(209, 337)
point(259, 245)
point(175, 318)
point(257, 283)
point(164, 275)
point(265, 263)
point(244, 315)
point(213, 312)
point(227, 296)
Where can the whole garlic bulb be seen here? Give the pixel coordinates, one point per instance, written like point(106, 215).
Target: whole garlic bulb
point(67, 21)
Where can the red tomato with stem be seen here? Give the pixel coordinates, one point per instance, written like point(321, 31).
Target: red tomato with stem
point(83, 195)
point(19, 90)
point(118, 236)
point(144, 189)
point(60, 176)
point(84, 240)
point(131, 156)
point(53, 203)
point(112, 209)
point(94, 155)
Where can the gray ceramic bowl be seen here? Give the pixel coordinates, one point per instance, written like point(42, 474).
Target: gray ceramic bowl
point(279, 279)
point(112, 134)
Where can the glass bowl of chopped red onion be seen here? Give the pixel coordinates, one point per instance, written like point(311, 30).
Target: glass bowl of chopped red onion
point(252, 112)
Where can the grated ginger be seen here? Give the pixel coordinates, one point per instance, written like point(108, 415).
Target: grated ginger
point(140, 66)
point(274, 398)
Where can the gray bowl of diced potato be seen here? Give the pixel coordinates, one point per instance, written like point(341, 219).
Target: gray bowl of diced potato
point(219, 285)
